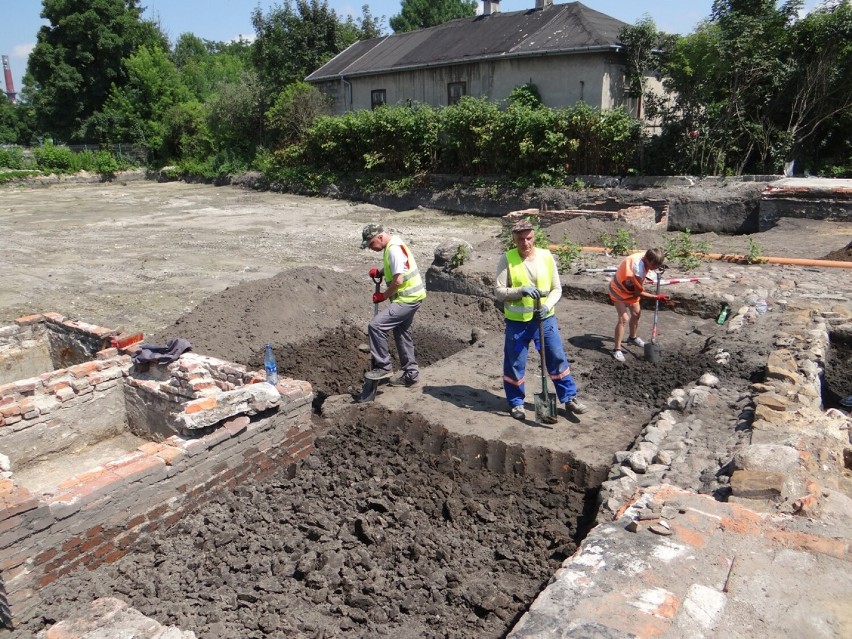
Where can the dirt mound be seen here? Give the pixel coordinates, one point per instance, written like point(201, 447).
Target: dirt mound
point(316, 321)
point(840, 255)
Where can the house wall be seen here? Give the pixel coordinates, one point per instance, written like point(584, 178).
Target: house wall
point(561, 81)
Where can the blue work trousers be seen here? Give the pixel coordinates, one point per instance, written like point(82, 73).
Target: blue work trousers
point(515, 350)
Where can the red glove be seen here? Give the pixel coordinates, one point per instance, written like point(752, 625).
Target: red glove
point(378, 297)
point(663, 297)
point(374, 272)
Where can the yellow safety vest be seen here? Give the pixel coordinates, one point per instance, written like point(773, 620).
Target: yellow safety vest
point(412, 289)
point(523, 310)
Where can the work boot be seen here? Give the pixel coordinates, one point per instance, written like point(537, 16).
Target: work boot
point(401, 380)
point(636, 341)
point(576, 406)
point(378, 374)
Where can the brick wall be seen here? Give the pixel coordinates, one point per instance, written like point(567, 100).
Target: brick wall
point(94, 517)
point(209, 425)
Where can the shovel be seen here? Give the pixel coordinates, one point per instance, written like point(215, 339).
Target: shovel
point(653, 352)
point(545, 403)
point(368, 390)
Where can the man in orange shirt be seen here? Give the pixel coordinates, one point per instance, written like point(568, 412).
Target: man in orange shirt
point(626, 288)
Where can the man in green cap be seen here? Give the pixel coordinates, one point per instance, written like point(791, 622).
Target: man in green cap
point(406, 290)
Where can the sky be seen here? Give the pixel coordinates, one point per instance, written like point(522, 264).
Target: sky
point(226, 20)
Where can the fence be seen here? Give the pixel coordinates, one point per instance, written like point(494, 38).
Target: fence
point(132, 153)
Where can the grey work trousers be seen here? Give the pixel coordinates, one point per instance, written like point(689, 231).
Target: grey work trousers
point(398, 318)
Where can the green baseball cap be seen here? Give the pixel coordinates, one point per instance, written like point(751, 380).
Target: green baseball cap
point(370, 231)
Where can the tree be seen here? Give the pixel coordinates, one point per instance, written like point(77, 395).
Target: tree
point(644, 48)
point(297, 38)
point(204, 64)
point(78, 58)
point(294, 111)
point(135, 111)
point(816, 109)
point(422, 14)
point(236, 117)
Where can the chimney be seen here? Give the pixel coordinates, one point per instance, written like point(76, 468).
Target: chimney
point(490, 7)
point(10, 85)
point(543, 4)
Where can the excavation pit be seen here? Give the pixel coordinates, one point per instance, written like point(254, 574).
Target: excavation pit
point(98, 452)
point(427, 512)
point(837, 380)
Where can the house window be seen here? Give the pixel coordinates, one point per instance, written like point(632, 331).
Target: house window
point(378, 97)
point(455, 91)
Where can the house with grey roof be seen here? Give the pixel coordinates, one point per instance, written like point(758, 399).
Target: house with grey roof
point(570, 52)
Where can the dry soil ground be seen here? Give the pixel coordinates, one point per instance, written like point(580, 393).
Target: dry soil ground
point(370, 539)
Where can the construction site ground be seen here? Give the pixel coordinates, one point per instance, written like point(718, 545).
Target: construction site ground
point(455, 551)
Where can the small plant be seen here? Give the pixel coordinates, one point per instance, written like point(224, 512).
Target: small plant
point(106, 164)
point(621, 243)
point(577, 185)
point(567, 254)
point(685, 251)
point(754, 255)
point(461, 254)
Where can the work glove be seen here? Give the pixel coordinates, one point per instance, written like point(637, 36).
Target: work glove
point(662, 297)
point(543, 311)
point(374, 273)
point(531, 291)
point(378, 297)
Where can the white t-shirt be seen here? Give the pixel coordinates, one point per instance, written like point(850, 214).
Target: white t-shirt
point(397, 259)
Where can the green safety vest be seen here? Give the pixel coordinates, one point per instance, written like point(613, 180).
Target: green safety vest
point(412, 289)
point(523, 310)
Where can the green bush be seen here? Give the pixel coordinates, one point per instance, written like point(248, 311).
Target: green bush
point(567, 254)
point(622, 243)
point(106, 164)
point(12, 158)
point(685, 251)
point(52, 158)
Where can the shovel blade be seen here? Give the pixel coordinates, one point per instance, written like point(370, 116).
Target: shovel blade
point(368, 391)
point(545, 409)
point(653, 352)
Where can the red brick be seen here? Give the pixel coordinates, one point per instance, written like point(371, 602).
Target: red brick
point(136, 468)
point(72, 543)
point(115, 555)
point(28, 320)
point(105, 549)
point(19, 500)
point(44, 556)
point(84, 369)
point(46, 579)
point(198, 405)
point(157, 512)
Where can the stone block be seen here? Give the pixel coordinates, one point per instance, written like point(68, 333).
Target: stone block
point(752, 484)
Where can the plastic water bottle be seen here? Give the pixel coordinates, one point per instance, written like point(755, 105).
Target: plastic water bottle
point(723, 316)
point(270, 365)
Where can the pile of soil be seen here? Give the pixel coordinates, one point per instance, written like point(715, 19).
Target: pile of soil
point(316, 321)
point(840, 255)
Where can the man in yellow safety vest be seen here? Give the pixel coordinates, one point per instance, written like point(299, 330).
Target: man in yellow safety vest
point(406, 290)
point(524, 274)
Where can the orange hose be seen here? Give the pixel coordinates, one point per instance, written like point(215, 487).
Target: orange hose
point(741, 259)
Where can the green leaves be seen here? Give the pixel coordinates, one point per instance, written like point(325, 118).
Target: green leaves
point(422, 14)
